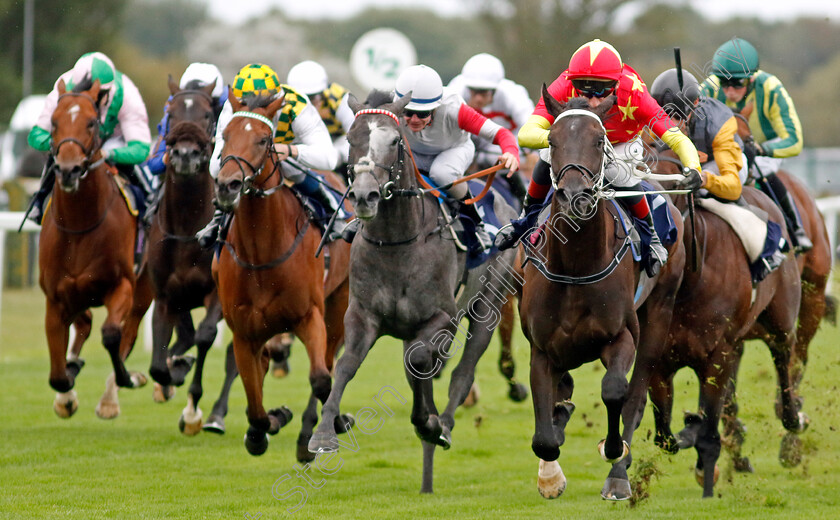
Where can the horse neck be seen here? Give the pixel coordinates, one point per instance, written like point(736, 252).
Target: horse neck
point(187, 201)
point(86, 206)
point(579, 246)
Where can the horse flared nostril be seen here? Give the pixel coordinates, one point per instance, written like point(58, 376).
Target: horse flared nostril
point(372, 198)
point(351, 197)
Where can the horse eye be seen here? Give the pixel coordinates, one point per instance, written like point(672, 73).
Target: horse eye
point(395, 141)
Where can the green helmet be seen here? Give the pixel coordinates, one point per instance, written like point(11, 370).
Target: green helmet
point(736, 58)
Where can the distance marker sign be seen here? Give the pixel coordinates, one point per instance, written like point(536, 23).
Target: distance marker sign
point(378, 57)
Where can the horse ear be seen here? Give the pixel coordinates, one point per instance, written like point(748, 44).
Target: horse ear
point(94, 90)
point(353, 103)
point(235, 104)
point(553, 106)
point(274, 106)
point(400, 105)
point(174, 88)
point(62, 87)
point(209, 88)
point(605, 107)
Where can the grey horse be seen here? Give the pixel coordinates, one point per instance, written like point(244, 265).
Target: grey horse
point(405, 271)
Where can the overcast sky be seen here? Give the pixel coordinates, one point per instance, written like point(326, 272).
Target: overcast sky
point(314, 9)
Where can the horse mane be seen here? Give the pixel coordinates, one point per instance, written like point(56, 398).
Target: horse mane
point(581, 103)
point(377, 98)
point(194, 84)
point(253, 102)
point(84, 85)
point(187, 131)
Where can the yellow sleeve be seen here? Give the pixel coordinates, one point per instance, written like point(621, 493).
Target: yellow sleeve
point(534, 133)
point(682, 146)
point(727, 155)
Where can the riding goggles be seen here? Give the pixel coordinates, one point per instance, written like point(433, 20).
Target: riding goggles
point(421, 114)
point(593, 88)
point(733, 82)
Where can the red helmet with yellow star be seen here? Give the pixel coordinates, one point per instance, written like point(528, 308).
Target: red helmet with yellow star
point(595, 59)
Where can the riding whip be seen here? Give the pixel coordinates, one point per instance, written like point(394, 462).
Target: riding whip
point(678, 61)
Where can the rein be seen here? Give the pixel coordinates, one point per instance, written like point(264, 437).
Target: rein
point(211, 130)
point(273, 263)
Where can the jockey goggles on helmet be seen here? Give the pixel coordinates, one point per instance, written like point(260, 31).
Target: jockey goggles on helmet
point(594, 87)
point(421, 114)
point(733, 82)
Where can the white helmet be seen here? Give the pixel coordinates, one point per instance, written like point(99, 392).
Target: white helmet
point(424, 84)
point(308, 77)
point(205, 73)
point(483, 71)
point(94, 65)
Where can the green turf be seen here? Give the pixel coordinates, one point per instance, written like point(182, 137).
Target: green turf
point(140, 466)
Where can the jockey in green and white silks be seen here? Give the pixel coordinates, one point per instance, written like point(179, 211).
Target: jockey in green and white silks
point(738, 81)
point(125, 124)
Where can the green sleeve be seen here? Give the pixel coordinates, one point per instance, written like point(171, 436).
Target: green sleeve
point(134, 152)
point(39, 139)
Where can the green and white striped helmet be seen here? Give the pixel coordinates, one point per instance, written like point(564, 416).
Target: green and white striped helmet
point(97, 66)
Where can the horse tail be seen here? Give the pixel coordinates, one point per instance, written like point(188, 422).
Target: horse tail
point(830, 309)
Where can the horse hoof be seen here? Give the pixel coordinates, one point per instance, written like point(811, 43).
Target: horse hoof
point(138, 380)
point(700, 475)
point(280, 370)
point(551, 482)
point(472, 397)
point(66, 404)
point(517, 392)
point(282, 416)
point(804, 422)
point(256, 442)
point(601, 449)
point(179, 368)
point(107, 410)
point(667, 443)
point(742, 465)
point(215, 425)
point(616, 489)
point(161, 393)
point(190, 422)
point(303, 454)
point(445, 439)
point(790, 453)
point(323, 443)
point(344, 422)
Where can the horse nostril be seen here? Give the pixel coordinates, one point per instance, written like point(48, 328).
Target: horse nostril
point(234, 186)
point(351, 197)
point(372, 198)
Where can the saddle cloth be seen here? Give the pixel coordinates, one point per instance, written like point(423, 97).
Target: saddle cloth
point(750, 228)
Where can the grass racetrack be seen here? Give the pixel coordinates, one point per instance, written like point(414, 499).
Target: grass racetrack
point(140, 466)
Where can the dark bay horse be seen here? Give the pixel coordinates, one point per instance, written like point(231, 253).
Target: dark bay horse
point(86, 253)
point(716, 309)
point(405, 271)
point(179, 267)
point(268, 277)
point(578, 303)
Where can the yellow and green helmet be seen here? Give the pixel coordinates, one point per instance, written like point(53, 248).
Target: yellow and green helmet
point(255, 79)
point(737, 58)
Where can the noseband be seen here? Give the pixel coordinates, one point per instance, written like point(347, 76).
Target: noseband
point(249, 186)
point(87, 150)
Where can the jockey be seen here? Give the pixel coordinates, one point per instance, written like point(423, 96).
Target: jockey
point(595, 72)
point(330, 99)
point(711, 127)
point(197, 75)
point(300, 136)
point(439, 124)
point(124, 129)
point(737, 80)
point(483, 85)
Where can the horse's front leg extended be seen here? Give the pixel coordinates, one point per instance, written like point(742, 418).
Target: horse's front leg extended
point(617, 357)
point(118, 303)
point(361, 332)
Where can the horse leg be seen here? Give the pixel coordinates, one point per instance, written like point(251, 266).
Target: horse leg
point(361, 333)
point(216, 422)
point(190, 421)
point(734, 430)
point(252, 360)
point(545, 381)
point(334, 309)
point(83, 325)
point(63, 372)
point(811, 311)
point(161, 335)
point(617, 357)
point(179, 364)
point(312, 332)
point(517, 392)
point(661, 389)
point(708, 437)
point(280, 347)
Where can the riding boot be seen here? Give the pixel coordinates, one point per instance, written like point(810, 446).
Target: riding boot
point(658, 254)
point(797, 231)
point(481, 235)
point(510, 234)
point(318, 192)
point(44, 189)
point(208, 235)
point(517, 187)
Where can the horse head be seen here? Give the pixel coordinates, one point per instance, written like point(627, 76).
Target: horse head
point(577, 139)
point(377, 153)
point(248, 158)
point(189, 147)
point(75, 136)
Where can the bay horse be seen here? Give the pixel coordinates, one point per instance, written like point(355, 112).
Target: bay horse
point(716, 310)
point(86, 253)
point(578, 302)
point(405, 271)
point(179, 267)
point(268, 278)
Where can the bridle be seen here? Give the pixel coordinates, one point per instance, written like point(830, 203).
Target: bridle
point(597, 179)
point(95, 144)
point(249, 186)
point(211, 130)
